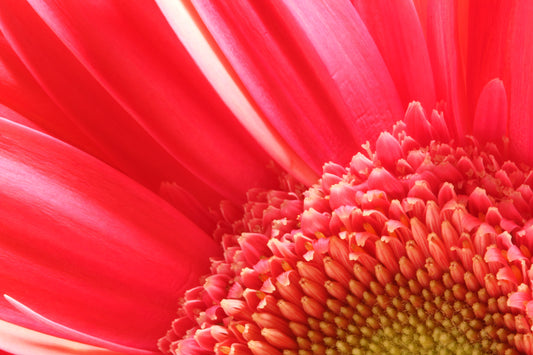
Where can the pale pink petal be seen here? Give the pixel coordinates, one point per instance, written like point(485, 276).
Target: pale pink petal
point(66, 332)
point(490, 120)
point(281, 52)
point(86, 246)
point(444, 52)
point(22, 341)
point(137, 92)
point(396, 29)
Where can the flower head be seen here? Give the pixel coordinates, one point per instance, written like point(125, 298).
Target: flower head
point(420, 244)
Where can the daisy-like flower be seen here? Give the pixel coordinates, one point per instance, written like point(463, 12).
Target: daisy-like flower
point(419, 241)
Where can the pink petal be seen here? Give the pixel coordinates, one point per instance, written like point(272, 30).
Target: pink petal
point(521, 102)
point(422, 11)
point(444, 52)
point(180, 198)
point(417, 124)
point(199, 43)
point(490, 120)
point(318, 102)
point(396, 29)
point(19, 340)
point(22, 94)
point(87, 247)
point(488, 46)
point(66, 332)
point(463, 22)
point(149, 107)
point(7, 113)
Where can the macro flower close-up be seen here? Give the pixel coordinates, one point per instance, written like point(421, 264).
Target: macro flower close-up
point(276, 177)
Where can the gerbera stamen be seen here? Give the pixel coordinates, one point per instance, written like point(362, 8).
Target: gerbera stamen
point(421, 246)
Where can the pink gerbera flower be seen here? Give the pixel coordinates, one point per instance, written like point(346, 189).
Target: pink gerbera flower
point(417, 241)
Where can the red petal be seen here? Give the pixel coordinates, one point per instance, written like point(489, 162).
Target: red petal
point(87, 247)
point(417, 124)
point(444, 51)
point(521, 103)
point(318, 102)
point(490, 121)
point(22, 94)
point(6, 112)
point(396, 29)
point(422, 11)
point(149, 107)
point(488, 46)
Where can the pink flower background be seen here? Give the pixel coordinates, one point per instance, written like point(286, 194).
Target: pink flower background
point(126, 123)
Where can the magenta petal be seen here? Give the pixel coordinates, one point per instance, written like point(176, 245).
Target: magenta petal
point(318, 103)
point(490, 120)
point(396, 29)
point(87, 247)
point(138, 93)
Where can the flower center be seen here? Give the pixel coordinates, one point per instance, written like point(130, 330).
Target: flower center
point(408, 318)
point(419, 246)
